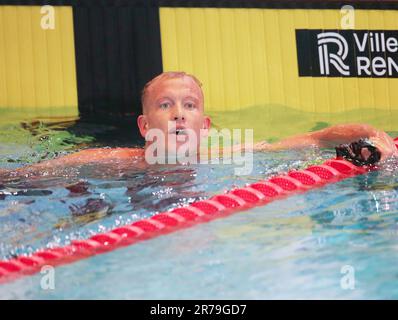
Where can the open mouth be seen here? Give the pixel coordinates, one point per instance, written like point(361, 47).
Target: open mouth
point(178, 132)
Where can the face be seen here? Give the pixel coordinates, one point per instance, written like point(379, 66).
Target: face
point(173, 106)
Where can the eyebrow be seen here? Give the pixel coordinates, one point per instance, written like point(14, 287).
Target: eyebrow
point(192, 97)
point(196, 99)
point(163, 98)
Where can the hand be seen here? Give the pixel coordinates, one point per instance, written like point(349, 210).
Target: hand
point(385, 144)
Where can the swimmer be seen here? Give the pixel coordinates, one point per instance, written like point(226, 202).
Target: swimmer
point(177, 97)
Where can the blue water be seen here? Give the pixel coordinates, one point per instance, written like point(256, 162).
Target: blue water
point(291, 248)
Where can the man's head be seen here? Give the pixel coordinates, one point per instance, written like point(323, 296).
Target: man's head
point(173, 98)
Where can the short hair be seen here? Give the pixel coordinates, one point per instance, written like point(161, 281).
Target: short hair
point(167, 75)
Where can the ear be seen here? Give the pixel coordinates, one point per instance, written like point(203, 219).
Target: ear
point(142, 123)
point(206, 125)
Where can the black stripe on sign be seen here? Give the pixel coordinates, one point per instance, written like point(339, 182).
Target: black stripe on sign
point(347, 53)
point(118, 50)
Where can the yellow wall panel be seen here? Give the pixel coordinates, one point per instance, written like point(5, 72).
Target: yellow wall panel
point(38, 73)
point(199, 60)
point(289, 60)
point(12, 51)
point(274, 66)
point(26, 59)
point(213, 82)
point(3, 82)
point(183, 29)
point(306, 85)
point(243, 41)
point(247, 57)
point(257, 40)
point(229, 61)
point(40, 55)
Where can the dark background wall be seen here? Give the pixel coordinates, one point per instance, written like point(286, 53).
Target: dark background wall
point(117, 51)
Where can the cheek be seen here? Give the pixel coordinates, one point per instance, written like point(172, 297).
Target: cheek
point(157, 121)
point(196, 120)
point(197, 126)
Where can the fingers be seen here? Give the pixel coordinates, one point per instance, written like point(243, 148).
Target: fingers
point(385, 144)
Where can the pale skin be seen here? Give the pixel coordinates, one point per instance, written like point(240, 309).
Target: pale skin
point(180, 100)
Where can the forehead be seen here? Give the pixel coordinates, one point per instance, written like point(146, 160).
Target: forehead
point(174, 87)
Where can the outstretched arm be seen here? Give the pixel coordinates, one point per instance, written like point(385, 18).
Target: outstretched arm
point(335, 135)
point(82, 158)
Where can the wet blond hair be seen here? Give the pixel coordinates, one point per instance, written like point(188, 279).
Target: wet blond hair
point(167, 75)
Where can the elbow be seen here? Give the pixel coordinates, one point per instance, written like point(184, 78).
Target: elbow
point(364, 129)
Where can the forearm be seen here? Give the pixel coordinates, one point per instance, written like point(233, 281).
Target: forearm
point(347, 133)
point(295, 142)
point(343, 133)
point(325, 138)
point(335, 135)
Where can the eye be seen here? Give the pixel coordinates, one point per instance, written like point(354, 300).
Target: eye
point(164, 105)
point(190, 105)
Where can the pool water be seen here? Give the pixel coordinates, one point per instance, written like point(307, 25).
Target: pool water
point(296, 247)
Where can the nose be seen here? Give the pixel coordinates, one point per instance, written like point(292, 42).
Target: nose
point(176, 118)
point(178, 113)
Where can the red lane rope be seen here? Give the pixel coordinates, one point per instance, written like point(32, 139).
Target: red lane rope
point(255, 194)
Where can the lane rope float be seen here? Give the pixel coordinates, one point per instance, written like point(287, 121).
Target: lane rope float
point(255, 194)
